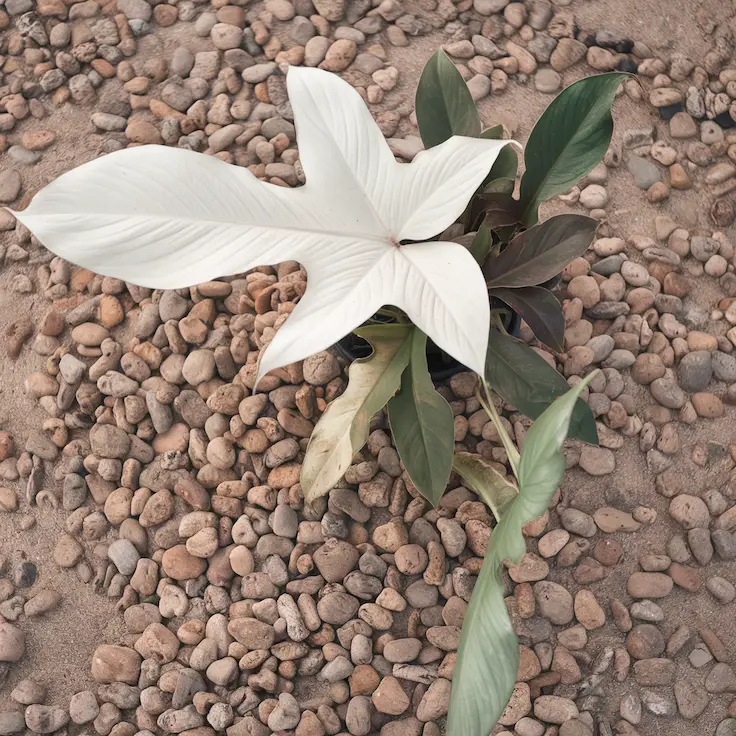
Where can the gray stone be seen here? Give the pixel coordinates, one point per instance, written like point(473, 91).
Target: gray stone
point(703, 247)
point(12, 722)
point(124, 556)
point(46, 718)
point(724, 366)
point(645, 173)
point(724, 543)
point(700, 544)
point(135, 9)
point(16, 7)
point(726, 727)
point(695, 370)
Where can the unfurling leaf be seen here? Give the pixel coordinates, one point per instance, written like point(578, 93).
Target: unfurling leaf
point(343, 428)
point(539, 308)
point(480, 476)
point(538, 254)
point(488, 656)
point(444, 105)
point(570, 138)
point(524, 378)
point(423, 426)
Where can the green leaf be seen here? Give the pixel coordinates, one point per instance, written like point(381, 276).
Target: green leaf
point(480, 476)
point(524, 378)
point(482, 243)
point(444, 105)
point(494, 133)
point(343, 428)
point(422, 425)
point(506, 165)
point(541, 252)
point(488, 656)
point(539, 308)
point(570, 138)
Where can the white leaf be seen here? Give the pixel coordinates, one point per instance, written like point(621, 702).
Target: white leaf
point(169, 218)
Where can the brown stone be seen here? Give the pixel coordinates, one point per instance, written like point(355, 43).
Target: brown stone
point(648, 585)
point(178, 564)
point(141, 131)
point(685, 577)
point(111, 663)
point(37, 140)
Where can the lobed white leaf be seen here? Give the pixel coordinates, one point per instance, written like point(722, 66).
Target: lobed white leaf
point(169, 218)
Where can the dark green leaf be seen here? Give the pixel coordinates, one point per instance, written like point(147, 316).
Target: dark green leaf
point(488, 656)
point(569, 139)
point(524, 378)
point(495, 133)
point(422, 425)
point(538, 254)
point(444, 105)
point(482, 243)
point(539, 308)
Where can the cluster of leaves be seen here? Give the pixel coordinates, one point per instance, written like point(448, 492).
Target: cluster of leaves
point(175, 218)
point(518, 258)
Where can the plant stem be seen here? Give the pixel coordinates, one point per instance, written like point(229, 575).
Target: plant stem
point(496, 317)
point(490, 409)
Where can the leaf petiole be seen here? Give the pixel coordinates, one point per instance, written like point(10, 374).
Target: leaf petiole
point(488, 406)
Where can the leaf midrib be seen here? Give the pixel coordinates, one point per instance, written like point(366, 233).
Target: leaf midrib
point(220, 222)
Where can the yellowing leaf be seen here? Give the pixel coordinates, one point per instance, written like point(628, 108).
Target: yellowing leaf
point(343, 429)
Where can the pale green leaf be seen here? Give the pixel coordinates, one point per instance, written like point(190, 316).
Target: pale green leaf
point(343, 429)
point(480, 476)
point(488, 656)
point(422, 425)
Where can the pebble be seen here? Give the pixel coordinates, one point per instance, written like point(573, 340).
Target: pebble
point(594, 196)
point(12, 643)
point(554, 709)
point(83, 707)
point(645, 173)
point(597, 461)
point(46, 718)
point(112, 663)
point(649, 585)
point(555, 602)
point(10, 185)
point(645, 641)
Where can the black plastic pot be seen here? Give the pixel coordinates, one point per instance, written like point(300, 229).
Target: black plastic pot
point(441, 365)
